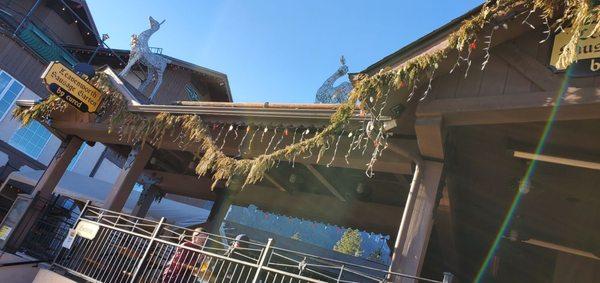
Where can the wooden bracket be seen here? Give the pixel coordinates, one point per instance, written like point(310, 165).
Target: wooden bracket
point(430, 136)
point(529, 67)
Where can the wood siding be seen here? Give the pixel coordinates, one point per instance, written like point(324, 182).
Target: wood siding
point(46, 19)
point(500, 77)
point(22, 65)
point(173, 86)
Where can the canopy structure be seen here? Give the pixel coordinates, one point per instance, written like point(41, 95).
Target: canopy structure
point(84, 188)
point(313, 185)
point(462, 173)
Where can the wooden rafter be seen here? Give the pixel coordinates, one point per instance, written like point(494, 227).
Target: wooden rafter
point(324, 181)
point(557, 160)
point(529, 67)
point(275, 183)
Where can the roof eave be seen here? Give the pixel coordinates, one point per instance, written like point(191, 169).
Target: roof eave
point(420, 43)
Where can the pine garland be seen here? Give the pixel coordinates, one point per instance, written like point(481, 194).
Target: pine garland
point(369, 94)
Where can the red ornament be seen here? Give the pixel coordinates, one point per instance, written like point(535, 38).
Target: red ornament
point(473, 45)
point(285, 132)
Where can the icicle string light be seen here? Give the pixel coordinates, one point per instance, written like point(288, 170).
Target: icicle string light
point(243, 140)
point(197, 137)
point(271, 141)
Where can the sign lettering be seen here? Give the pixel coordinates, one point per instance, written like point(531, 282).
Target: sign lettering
point(588, 51)
point(66, 84)
point(87, 230)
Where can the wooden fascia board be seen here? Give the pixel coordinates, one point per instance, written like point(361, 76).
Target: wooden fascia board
point(98, 132)
point(373, 217)
point(575, 104)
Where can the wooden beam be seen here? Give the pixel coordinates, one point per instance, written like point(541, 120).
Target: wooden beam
point(183, 185)
point(368, 216)
point(575, 104)
point(57, 167)
point(409, 254)
point(430, 136)
point(529, 67)
point(131, 171)
point(275, 183)
point(389, 162)
point(445, 229)
point(560, 248)
point(324, 181)
point(557, 160)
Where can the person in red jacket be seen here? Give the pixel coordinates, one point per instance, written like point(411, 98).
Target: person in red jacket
point(185, 262)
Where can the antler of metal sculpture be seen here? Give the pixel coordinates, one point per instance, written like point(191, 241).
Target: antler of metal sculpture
point(140, 52)
point(327, 93)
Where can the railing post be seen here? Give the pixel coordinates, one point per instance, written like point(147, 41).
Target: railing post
point(448, 277)
point(85, 206)
point(261, 262)
point(154, 234)
point(341, 272)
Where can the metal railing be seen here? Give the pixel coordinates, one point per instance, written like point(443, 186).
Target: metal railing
point(20, 25)
point(45, 238)
point(38, 37)
point(131, 249)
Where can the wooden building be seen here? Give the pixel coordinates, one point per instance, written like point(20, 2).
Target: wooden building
point(503, 162)
point(34, 33)
point(485, 129)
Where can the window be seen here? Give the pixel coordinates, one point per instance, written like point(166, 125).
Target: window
point(76, 157)
point(9, 91)
point(192, 92)
point(31, 139)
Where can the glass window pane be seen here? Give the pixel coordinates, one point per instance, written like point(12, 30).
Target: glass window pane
point(31, 139)
point(9, 90)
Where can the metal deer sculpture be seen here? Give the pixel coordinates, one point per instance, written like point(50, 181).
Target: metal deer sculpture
point(327, 93)
point(155, 63)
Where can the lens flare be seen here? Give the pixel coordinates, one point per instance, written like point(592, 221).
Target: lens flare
point(526, 178)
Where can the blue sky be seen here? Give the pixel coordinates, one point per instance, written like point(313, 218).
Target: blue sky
point(277, 51)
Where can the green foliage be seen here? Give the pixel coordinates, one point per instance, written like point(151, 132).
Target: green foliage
point(376, 255)
point(296, 236)
point(369, 93)
point(349, 243)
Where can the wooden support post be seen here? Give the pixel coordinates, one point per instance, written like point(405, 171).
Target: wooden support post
point(413, 237)
point(42, 191)
point(145, 201)
point(219, 210)
point(136, 161)
point(57, 167)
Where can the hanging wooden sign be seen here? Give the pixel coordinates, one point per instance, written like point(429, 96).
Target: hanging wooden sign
point(588, 52)
point(66, 84)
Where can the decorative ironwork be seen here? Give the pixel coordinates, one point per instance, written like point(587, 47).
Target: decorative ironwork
point(327, 93)
point(142, 53)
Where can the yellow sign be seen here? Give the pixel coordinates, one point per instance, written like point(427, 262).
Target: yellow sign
point(66, 84)
point(87, 230)
point(587, 48)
